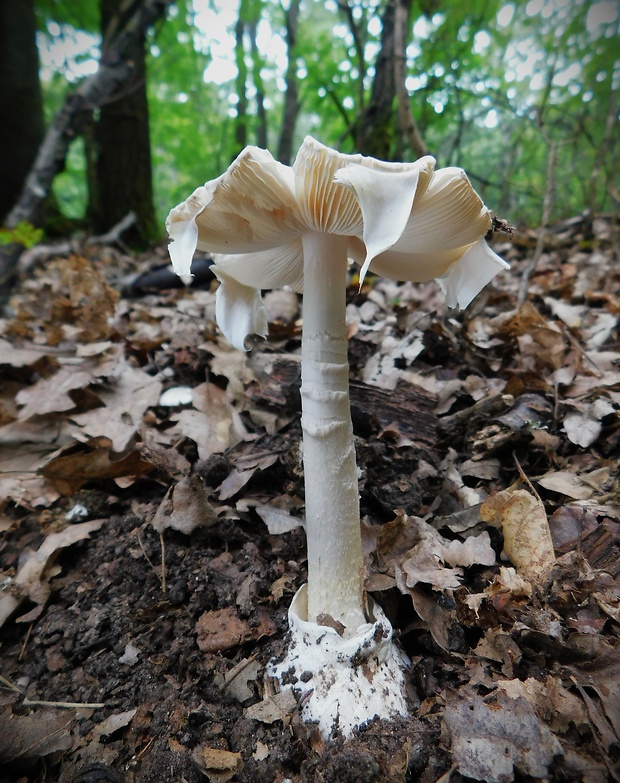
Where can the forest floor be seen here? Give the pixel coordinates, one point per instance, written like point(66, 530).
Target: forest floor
point(151, 503)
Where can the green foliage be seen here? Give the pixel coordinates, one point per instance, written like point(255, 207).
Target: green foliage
point(494, 86)
point(24, 234)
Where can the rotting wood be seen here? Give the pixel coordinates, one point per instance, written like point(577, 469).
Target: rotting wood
point(409, 409)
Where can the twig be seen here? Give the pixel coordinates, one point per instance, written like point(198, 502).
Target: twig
point(67, 705)
point(542, 235)
point(113, 236)
point(22, 652)
point(524, 478)
point(41, 252)
point(163, 561)
point(150, 562)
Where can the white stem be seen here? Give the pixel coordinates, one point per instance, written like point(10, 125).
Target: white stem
point(335, 561)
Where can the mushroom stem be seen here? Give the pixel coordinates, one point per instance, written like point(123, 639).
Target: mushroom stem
point(335, 561)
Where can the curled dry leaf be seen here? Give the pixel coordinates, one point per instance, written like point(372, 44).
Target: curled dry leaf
point(30, 580)
point(527, 538)
point(185, 507)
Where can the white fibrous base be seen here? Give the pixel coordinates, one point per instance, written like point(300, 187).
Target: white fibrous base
point(343, 682)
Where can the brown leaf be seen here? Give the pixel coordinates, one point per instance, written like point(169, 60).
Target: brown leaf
point(278, 706)
point(218, 765)
point(553, 703)
point(185, 507)
point(603, 675)
point(492, 737)
point(566, 483)
point(124, 405)
point(527, 538)
point(222, 629)
point(52, 394)
point(33, 736)
point(30, 578)
point(95, 460)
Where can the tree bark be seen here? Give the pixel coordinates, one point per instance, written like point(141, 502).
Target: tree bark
point(291, 96)
point(408, 126)
point(261, 114)
point(375, 128)
point(123, 181)
point(241, 120)
point(112, 75)
point(21, 107)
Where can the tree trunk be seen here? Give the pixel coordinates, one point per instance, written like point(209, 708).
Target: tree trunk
point(21, 108)
point(241, 120)
point(261, 114)
point(375, 129)
point(408, 125)
point(69, 121)
point(122, 142)
point(291, 99)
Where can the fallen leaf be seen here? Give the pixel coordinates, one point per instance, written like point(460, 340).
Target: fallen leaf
point(33, 736)
point(236, 681)
point(29, 582)
point(185, 507)
point(603, 676)
point(527, 538)
point(113, 723)
point(124, 405)
point(280, 706)
point(219, 766)
point(565, 483)
point(52, 394)
point(94, 460)
point(475, 550)
point(492, 737)
point(222, 629)
point(278, 520)
point(20, 357)
point(552, 702)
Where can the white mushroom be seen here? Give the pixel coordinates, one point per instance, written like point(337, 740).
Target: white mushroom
point(270, 226)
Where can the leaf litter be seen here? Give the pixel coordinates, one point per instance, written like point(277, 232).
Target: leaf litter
point(151, 506)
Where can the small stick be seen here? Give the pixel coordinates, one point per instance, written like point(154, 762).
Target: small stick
point(68, 705)
point(162, 581)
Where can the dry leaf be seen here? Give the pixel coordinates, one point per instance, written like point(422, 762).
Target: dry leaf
point(124, 405)
point(527, 538)
point(33, 736)
point(30, 578)
point(218, 765)
point(565, 483)
point(236, 681)
point(94, 460)
point(52, 394)
point(603, 675)
point(553, 703)
point(185, 507)
point(492, 737)
point(113, 723)
point(222, 629)
point(278, 520)
point(19, 357)
point(280, 706)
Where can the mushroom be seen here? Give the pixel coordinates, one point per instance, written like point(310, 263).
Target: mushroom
point(271, 226)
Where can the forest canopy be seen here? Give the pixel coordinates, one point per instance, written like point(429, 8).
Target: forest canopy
point(522, 94)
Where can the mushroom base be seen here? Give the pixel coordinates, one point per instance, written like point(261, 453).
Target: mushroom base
point(343, 682)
